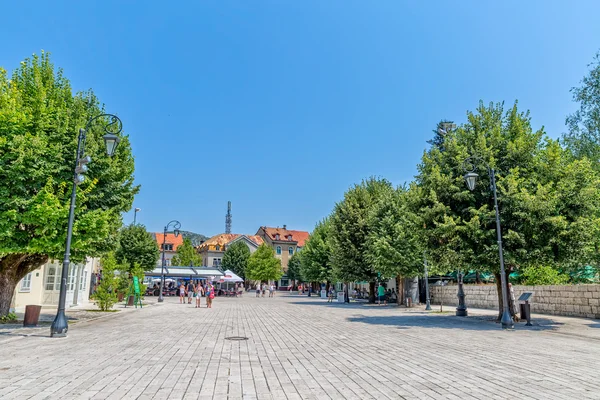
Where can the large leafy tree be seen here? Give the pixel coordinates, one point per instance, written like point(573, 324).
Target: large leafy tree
point(315, 260)
point(236, 258)
point(350, 230)
point(263, 265)
point(548, 203)
point(39, 122)
point(137, 248)
point(394, 243)
point(186, 255)
point(583, 137)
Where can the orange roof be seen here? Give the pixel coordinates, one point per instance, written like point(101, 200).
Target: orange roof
point(224, 238)
point(297, 236)
point(170, 239)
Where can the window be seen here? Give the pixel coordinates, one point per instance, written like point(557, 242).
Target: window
point(216, 262)
point(278, 249)
point(26, 283)
point(291, 250)
point(71, 277)
point(51, 276)
point(83, 281)
point(218, 248)
point(290, 238)
point(167, 247)
point(277, 236)
point(167, 263)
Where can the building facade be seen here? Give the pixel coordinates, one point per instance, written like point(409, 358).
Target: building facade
point(213, 249)
point(42, 286)
point(285, 242)
point(172, 242)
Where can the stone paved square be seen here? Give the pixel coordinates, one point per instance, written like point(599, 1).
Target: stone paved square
point(300, 348)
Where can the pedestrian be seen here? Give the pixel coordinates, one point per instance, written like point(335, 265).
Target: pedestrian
point(190, 291)
point(331, 293)
point(271, 290)
point(198, 294)
point(264, 289)
point(258, 290)
point(182, 293)
point(381, 294)
point(210, 295)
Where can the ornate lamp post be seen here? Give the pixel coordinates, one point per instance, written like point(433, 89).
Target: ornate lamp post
point(471, 179)
point(461, 310)
point(428, 299)
point(176, 225)
point(111, 140)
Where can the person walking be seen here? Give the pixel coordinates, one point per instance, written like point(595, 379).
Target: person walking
point(190, 291)
point(331, 293)
point(258, 290)
point(264, 289)
point(210, 295)
point(181, 293)
point(381, 294)
point(198, 294)
point(271, 290)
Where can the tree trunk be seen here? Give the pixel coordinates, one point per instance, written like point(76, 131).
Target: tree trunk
point(371, 292)
point(477, 278)
point(13, 267)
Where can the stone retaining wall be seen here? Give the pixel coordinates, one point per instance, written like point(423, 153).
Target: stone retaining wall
point(568, 300)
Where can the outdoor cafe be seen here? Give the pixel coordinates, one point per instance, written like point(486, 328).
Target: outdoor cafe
point(175, 275)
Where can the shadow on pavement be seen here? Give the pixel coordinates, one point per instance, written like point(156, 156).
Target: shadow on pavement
point(449, 322)
point(336, 304)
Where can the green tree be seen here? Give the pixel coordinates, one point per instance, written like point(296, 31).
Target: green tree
point(350, 230)
point(263, 265)
point(294, 268)
point(106, 292)
point(548, 203)
point(315, 260)
point(236, 258)
point(39, 123)
point(583, 137)
point(394, 243)
point(187, 255)
point(137, 247)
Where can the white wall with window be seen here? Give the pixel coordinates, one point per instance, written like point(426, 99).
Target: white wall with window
point(42, 286)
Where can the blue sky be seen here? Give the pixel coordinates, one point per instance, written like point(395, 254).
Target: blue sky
point(280, 106)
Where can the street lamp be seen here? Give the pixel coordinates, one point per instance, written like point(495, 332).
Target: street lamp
point(471, 179)
point(176, 225)
point(461, 310)
point(135, 214)
point(428, 299)
point(60, 326)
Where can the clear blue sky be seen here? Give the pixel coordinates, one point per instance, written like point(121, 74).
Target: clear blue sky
point(280, 106)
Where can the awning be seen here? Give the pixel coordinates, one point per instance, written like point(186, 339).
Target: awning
point(186, 272)
point(231, 277)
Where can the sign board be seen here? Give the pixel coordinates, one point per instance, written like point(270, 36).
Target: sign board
point(525, 296)
point(136, 285)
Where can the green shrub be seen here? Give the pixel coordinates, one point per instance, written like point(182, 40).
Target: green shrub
point(543, 275)
point(106, 294)
point(10, 317)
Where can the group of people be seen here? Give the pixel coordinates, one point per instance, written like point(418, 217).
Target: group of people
point(197, 291)
point(262, 289)
point(383, 295)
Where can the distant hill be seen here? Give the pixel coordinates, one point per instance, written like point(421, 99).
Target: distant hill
point(195, 238)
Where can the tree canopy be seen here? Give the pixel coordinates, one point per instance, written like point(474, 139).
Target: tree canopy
point(315, 258)
point(186, 255)
point(39, 122)
point(236, 258)
point(137, 247)
point(263, 265)
point(295, 267)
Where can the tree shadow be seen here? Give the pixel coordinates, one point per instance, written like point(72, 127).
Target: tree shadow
point(336, 304)
point(422, 320)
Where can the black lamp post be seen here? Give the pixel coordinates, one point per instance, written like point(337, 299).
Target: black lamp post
point(471, 179)
point(111, 140)
point(461, 310)
point(427, 299)
point(176, 225)
point(135, 211)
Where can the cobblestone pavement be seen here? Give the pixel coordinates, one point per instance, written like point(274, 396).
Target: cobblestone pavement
point(300, 348)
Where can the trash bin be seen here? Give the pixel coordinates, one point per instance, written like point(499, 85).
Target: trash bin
point(130, 300)
point(32, 316)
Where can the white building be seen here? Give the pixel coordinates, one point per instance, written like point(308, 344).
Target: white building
point(42, 286)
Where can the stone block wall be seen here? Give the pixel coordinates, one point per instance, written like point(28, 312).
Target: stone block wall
point(567, 300)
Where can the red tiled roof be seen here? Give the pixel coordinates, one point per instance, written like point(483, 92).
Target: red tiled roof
point(170, 239)
point(224, 238)
point(297, 236)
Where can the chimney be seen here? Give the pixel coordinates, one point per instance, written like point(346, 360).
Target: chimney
point(284, 227)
